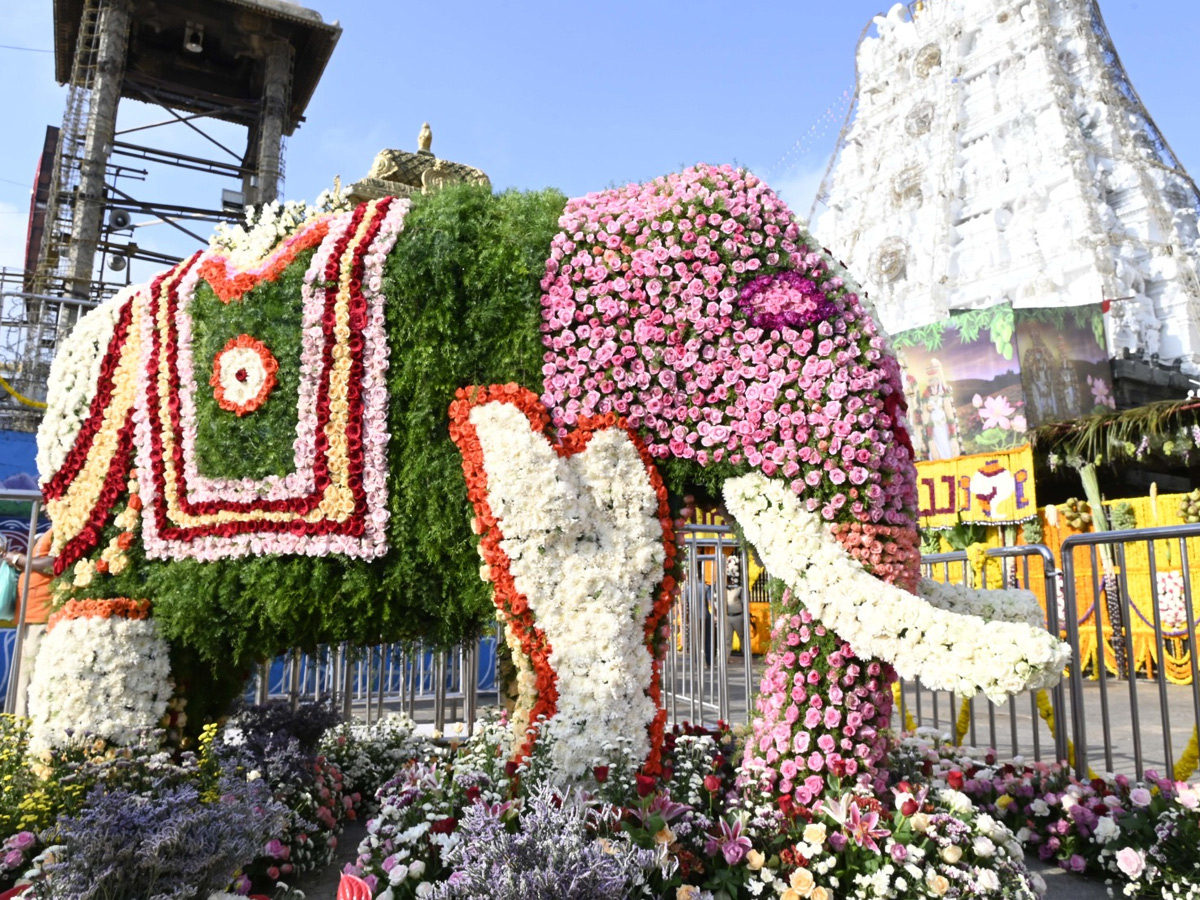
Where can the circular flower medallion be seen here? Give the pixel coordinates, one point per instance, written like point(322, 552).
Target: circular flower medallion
point(243, 375)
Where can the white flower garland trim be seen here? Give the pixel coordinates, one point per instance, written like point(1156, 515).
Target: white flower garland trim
point(96, 677)
point(946, 650)
point(585, 547)
point(74, 378)
point(1007, 605)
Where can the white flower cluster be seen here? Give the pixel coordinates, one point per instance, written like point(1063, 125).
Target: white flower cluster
point(98, 678)
point(585, 544)
point(74, 375)
point(948, 651)
point(1006, 605)
point(271, 223)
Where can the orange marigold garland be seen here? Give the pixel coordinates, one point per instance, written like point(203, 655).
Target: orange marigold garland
point(116, 608)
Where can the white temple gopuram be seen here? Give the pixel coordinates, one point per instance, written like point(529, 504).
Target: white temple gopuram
point(999, 153)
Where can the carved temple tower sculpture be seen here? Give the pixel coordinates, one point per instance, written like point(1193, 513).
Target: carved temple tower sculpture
point(999, 153)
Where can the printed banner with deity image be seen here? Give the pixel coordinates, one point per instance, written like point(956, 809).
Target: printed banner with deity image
point(963, 384)
point(989, 488)
point(1064, 363)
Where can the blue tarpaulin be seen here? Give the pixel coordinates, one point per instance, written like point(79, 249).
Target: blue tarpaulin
point(18, 469)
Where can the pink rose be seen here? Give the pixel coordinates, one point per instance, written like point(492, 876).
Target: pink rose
point(1131, 862)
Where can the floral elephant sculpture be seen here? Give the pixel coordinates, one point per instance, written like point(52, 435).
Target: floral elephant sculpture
point(257, 440)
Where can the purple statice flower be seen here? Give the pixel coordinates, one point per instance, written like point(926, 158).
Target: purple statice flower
point(168, 844)
point(552, 854)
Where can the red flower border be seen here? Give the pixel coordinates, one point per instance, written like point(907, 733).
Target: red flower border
point(515, 605)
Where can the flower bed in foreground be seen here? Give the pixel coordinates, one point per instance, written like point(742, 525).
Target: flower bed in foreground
point(263, 799)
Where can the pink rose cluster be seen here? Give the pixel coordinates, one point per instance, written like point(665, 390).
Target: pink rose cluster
point(694, 306)
point(888, 552)
point(822, 711)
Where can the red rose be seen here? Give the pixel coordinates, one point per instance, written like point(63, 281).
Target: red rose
point(955, 779)
point(645, 785)
point(601, 773)
point(712, 783)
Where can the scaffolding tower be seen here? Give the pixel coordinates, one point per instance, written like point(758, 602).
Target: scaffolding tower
point(254, 63)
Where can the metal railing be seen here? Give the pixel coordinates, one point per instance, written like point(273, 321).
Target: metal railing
point(1110, 589)
point(368, 682)
point(34, 499)
point(697, 670)
point(1026, 733)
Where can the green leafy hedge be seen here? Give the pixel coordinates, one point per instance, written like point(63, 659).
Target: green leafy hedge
point(463, 308)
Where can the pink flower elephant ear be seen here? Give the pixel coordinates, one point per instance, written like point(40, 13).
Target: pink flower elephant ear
point(574, 536)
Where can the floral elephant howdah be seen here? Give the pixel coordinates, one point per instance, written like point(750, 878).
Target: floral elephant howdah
point(263, 430)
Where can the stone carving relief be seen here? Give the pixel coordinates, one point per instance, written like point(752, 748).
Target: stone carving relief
point(906, 186)
point(920, 119)
point(929, 58)
point(891, 260)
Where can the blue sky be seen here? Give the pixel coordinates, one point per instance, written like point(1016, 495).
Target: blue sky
point(573, 95)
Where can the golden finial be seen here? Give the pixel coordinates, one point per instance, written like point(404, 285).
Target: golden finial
point(425, 138)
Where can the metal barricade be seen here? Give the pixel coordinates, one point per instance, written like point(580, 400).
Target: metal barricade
point(368, 682)
point(24, 543)
point(1133, 648)
point(1027, 732)
point(700, 684)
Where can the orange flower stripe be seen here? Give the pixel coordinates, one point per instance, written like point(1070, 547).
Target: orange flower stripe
point(116, 608)
point(229, 283)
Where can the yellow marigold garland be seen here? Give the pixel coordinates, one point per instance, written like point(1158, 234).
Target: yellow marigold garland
point(963, 723)
point(909, 723)
point(1046, 711)
point(1185, 768)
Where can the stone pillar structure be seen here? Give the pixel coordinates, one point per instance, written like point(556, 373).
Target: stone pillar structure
point(277, 89)
point(113, 26)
